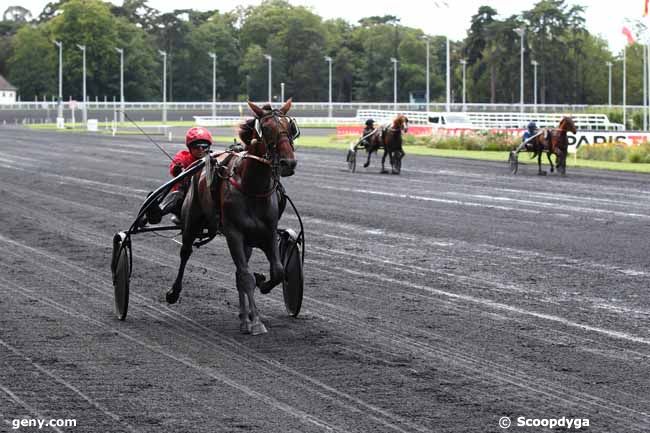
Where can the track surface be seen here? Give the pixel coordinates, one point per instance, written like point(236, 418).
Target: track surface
point(439, 300)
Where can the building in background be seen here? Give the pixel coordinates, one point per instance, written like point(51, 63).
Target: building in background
point(7, 92)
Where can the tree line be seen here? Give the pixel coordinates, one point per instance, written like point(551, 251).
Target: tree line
point(572, 63)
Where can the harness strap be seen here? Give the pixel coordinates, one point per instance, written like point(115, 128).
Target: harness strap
point(266, 194)
point(257, 158)
point(374, 131)
point(531, 137)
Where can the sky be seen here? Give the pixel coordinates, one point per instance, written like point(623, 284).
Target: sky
point(603, 17)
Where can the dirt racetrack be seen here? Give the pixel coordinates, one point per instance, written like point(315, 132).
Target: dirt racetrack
point(440, 300)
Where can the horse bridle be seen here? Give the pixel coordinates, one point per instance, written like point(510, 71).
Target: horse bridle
point(271, 157)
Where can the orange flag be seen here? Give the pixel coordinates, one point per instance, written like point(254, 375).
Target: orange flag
point(628, 34)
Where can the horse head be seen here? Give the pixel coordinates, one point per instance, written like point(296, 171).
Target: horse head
point(271, 134)
point(567, 124)
point(401, 122)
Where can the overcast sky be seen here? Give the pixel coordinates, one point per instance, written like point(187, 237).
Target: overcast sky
point(603, 17)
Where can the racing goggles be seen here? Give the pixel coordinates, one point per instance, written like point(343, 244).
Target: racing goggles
point(200, 145)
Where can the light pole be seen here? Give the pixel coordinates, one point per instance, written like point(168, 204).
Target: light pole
point(464, 63)
point(84, 111)
point(609, 86)
point(164, 107)
point(270, 59)
point(60, 103)
point(448, 79)
point(282, 92)
point(624, 91)
point(214, 83)
point(521, 31)
point(121, 51)
point(428, 96)
point(535, 63)
point(394, 60)
point(328, 59)
point(645, 87)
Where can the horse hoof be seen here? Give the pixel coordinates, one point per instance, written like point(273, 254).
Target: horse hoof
point(384, 172)
point(265, 290)
point(365, 165)
point(245, 327)
point(171, 296)
point(259, 279)
point(258, 328)
point(541, 173)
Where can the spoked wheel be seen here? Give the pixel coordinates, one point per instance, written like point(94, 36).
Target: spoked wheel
point(121, 269)
point(292, 285)
point(513, 160)
point(352, 160)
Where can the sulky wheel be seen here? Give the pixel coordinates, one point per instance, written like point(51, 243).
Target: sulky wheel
point(121, 269)
point(352, 160)
point(292, 285)
point(513, 160)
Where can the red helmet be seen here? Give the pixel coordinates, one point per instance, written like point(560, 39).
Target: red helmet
point(198, 134)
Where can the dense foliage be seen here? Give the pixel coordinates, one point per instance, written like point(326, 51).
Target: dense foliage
point(572, 62)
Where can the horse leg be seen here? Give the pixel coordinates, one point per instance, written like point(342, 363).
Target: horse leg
point(174, 293)
point(272, 252)
point(383, 162)
point(244, 319)
point(548, 155)
point(561, 162)
point(368, 161)
point(399, 154)
point(539, 165)
point(249, 319)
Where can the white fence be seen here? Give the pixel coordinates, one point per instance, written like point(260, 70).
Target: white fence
point(318, 106)
point(596, 122)
point(233, 120)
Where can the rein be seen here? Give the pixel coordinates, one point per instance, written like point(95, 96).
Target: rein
point(270, 157)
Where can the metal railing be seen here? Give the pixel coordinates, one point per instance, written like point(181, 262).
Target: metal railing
point(318, 106)
point(233, 120)
point(492, 120)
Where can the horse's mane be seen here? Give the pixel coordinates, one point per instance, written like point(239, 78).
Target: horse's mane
point(400, 119)
point(247, 131)
point(567, 121)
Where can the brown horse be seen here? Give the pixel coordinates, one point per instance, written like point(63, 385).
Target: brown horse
point(389, 139)
point(238, 194)
point(553, 141)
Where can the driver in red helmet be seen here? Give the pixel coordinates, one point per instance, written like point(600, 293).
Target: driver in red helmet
point(198, 141)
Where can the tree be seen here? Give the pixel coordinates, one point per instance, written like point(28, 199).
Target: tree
point(293, 36)
point(137, 12)
point(218, 35)
point(17, 14)
point(474, 49)
point(32, 67)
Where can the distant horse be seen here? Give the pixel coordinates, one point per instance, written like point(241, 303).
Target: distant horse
point(553, 141)
point(389, 139)
point(239, 195)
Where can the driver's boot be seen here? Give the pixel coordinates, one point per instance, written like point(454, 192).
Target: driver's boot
point(172, 203)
